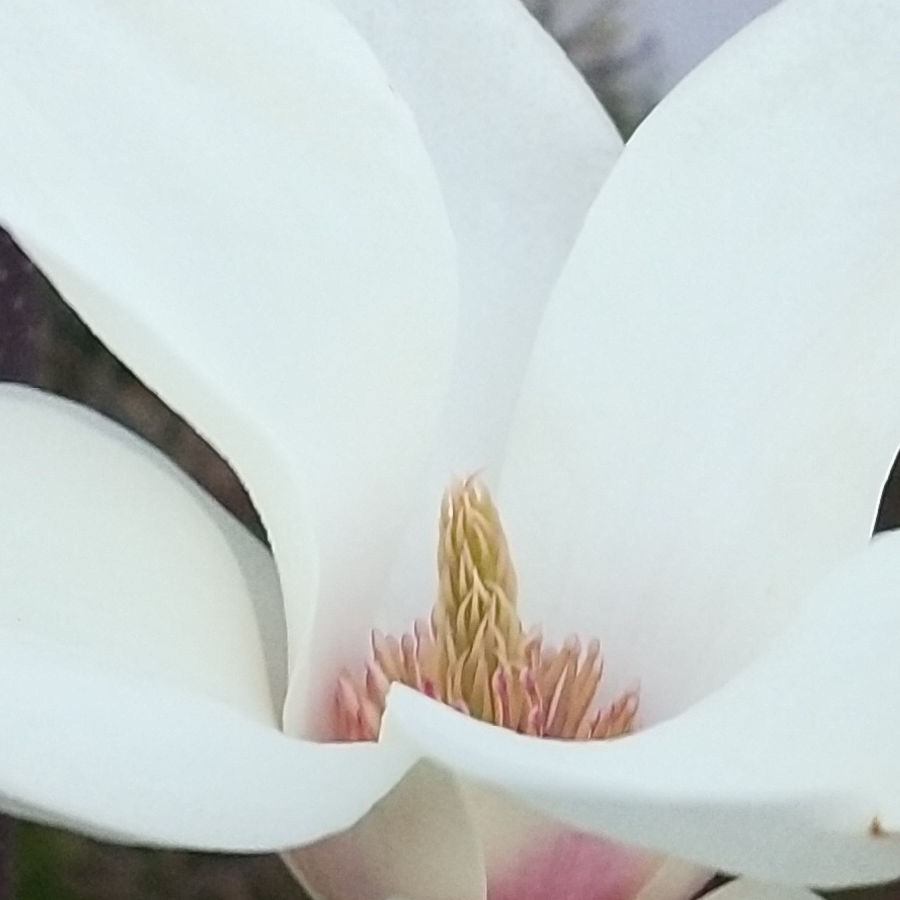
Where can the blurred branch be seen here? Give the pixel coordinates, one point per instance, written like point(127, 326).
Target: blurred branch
point(19, 319)
point(619, 64)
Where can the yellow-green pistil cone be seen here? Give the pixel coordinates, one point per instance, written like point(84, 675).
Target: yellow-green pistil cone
point(473, 653)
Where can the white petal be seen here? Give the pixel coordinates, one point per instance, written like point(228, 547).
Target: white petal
point(417, 843)
point(712, 407)
point(521, 147)
point(746, 889)
point(109, 549)
point(93, 747)
point(789, 773)
point(675, 877)
point(134, 702)
point(237, 202)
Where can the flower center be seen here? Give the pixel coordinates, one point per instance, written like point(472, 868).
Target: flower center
point(474, 654)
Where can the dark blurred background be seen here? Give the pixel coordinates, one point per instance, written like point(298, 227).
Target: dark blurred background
point(43, 343)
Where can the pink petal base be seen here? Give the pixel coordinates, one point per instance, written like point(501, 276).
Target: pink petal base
point(527, 856)
point(436, 837)
point(569, 865)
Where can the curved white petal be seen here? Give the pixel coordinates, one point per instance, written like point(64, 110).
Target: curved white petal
point(134, 702)
point(94, 747)
point(237, 202)
point(712, 406)
point(417, 843)
point(260, 577)
point(520, 146)
point(108, 548)
point(790, 773)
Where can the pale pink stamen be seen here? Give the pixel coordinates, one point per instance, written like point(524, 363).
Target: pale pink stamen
point(556, 697)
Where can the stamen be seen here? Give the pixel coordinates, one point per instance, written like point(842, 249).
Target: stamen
point(473, 654)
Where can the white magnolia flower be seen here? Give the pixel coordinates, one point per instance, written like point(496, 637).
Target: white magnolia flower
point(330, 245)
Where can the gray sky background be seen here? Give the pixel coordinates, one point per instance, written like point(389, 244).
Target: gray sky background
point(688, 30)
